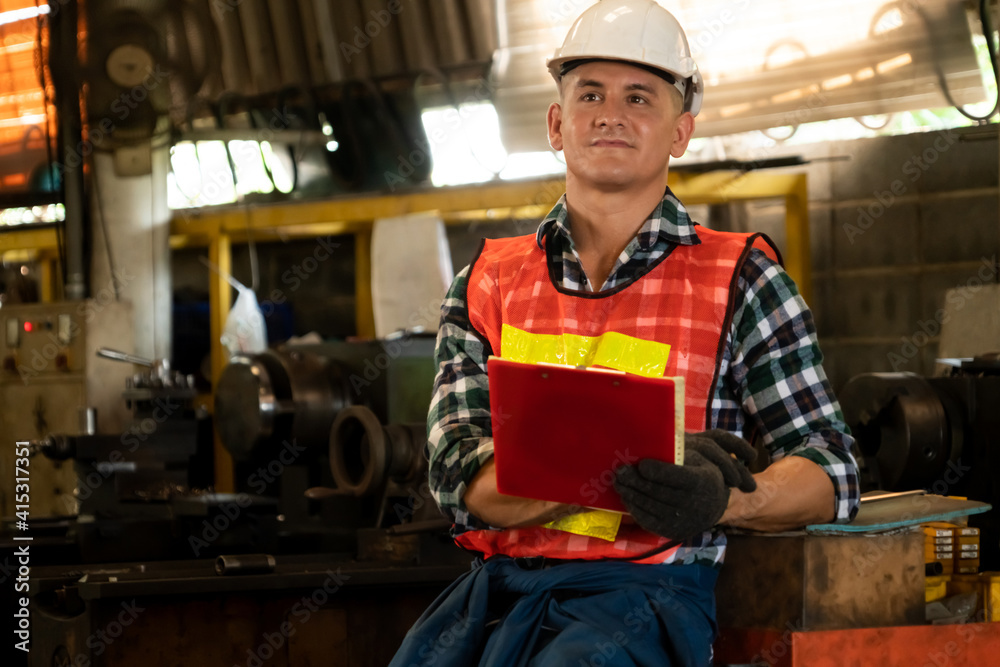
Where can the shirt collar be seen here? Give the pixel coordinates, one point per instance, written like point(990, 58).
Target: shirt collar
point(669, 220)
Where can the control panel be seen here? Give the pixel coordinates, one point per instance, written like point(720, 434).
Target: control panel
point(49, 373)
point(43, 339)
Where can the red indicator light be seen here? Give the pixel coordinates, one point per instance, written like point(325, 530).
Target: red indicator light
point(28, 326)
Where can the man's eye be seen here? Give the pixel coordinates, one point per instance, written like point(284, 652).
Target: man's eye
point(589, 97)
point(636, 99)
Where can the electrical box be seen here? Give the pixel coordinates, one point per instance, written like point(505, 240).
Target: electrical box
point(50, 372)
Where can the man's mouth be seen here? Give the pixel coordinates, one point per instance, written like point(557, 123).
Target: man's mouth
point(611, 143)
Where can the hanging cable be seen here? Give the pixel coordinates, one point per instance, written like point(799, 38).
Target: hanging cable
point(252, 249)
point(987, 24)
point(349, 163)
point(771, 50)
point(251, 245)
point(260, 151)
point(220, 122)
point(312, 115)
point(104, 231)
point(241, 200)
point(886, 119)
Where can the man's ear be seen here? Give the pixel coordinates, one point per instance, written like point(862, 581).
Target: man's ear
point(683, 131)
point(554, 121)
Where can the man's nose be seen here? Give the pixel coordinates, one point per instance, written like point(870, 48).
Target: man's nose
point(612, 113)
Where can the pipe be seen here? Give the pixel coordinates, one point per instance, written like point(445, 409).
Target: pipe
point(65, 78)
point(244, 564)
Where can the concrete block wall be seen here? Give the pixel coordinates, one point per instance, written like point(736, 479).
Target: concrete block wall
point(894, 223)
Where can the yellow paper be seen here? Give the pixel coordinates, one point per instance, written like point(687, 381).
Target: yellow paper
point(610, 350)
point(596, 523)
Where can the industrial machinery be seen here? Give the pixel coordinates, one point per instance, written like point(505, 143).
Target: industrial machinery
point(330, 543)
point(934, 433)
point(51, 373)
point(335, 432)
point(327, 441)
point(131, 485)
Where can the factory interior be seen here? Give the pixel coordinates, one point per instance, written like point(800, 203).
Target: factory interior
point(226, 230)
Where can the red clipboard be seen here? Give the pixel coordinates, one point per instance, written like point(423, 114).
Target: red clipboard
point(559, 432)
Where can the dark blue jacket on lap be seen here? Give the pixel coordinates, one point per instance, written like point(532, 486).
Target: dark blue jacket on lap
point(576, 614)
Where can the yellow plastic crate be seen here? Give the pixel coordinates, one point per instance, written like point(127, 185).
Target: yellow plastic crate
point(991, 595)
point(936, 588)
point(986, 585)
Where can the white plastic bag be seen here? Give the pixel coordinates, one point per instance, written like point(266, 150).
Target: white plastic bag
point(245, 332)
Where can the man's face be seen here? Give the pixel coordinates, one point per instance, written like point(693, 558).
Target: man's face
point(618, 125)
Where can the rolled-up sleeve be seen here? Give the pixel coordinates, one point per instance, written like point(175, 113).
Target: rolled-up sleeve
point(777, 367)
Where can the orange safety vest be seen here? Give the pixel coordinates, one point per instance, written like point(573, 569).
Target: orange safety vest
point(684, 300)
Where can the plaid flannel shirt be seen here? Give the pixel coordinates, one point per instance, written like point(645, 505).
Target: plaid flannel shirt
point(771, 379)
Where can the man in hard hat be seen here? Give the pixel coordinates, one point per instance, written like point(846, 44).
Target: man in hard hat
point(619, 254)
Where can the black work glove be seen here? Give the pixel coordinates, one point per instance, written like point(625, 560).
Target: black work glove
point(679, 502)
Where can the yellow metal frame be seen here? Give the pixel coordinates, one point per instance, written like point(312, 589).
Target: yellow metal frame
point(721, 187)
point(502, 201)
point(27, 239)
point(218, 229)
point(36, 245)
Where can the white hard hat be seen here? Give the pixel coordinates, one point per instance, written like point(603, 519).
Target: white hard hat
point(636, 31)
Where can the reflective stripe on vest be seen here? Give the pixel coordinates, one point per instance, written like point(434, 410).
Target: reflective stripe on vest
point(683, 301)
